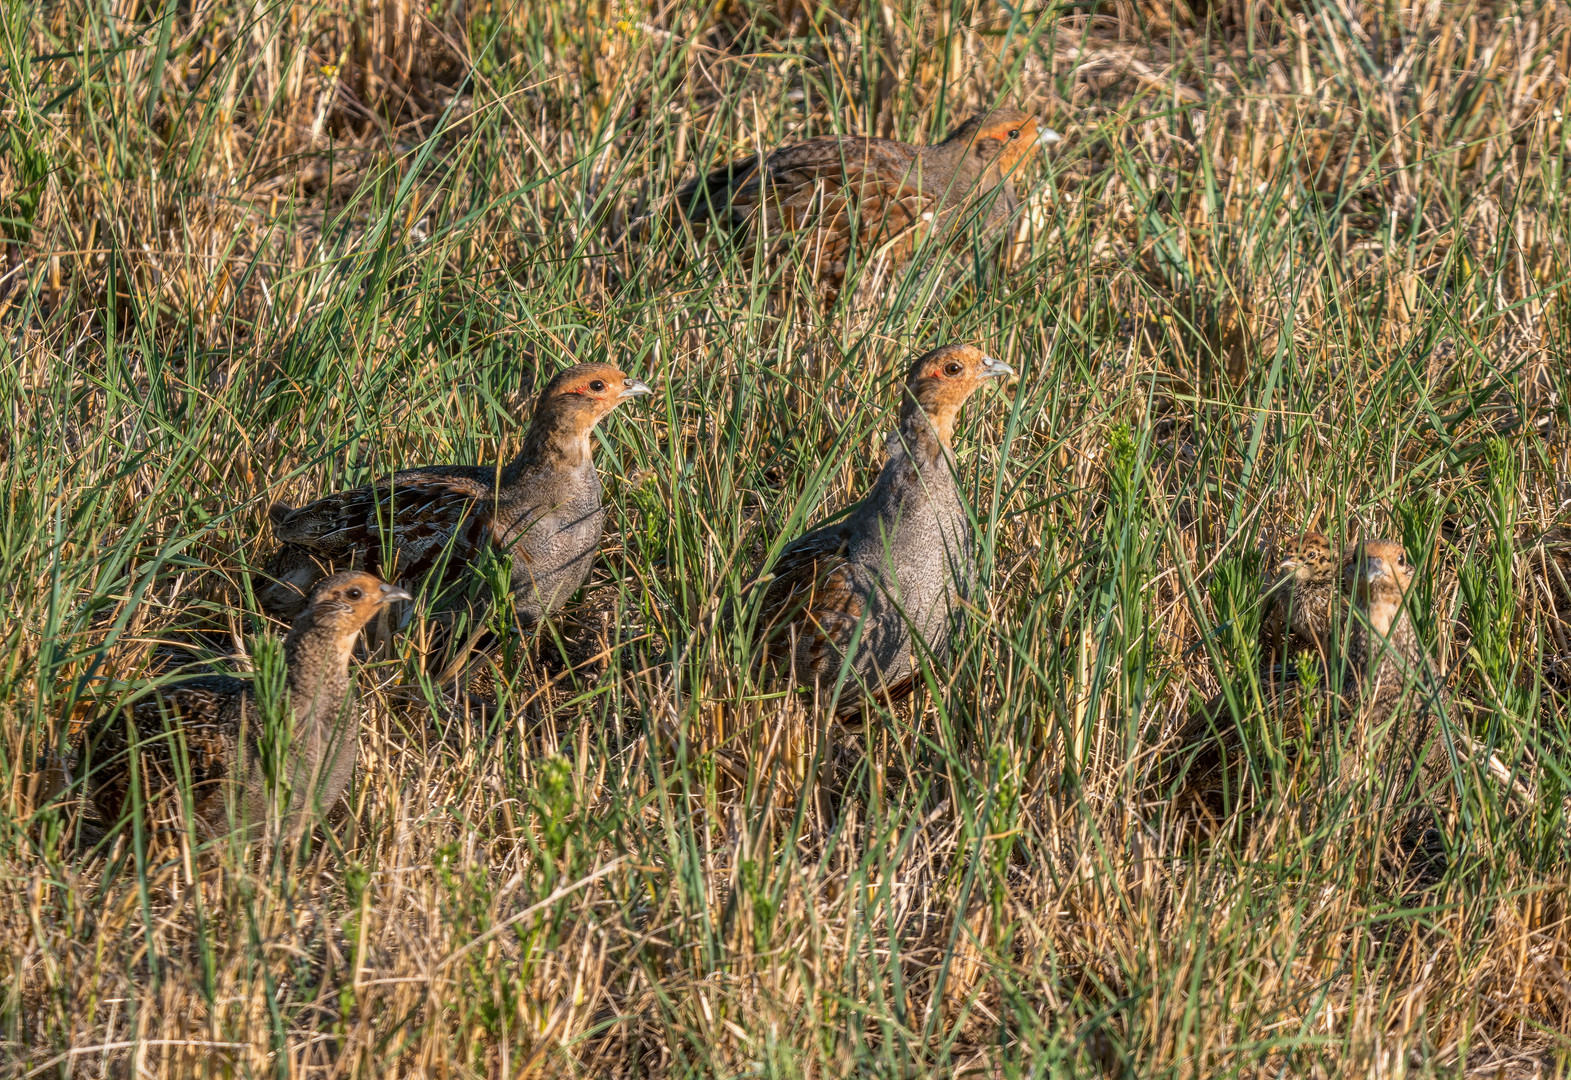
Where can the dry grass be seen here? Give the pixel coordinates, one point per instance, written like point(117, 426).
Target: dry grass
point(1292, 266)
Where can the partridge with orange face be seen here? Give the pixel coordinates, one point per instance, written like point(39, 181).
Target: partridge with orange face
point(211, 725)
point(542, 510)
point(1383, 652)
point(851, 198)
point(881, 586)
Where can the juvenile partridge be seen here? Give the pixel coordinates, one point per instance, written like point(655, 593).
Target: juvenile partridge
point(541, 510)
point(859, 592)
point(875, 197)
point(1384, 655)
point(1299, 606)
point(1381, 665)
point(211, 724)
point(1396, 692)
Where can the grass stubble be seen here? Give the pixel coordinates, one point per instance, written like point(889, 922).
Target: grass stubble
point(1293, 266)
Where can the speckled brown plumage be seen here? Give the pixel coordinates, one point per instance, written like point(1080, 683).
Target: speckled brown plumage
point(869, 199)
point(1298, 609)
point(542, 510)
point(1380, 671)
point(1300, 603)
point(287, 578)
point(1384, 655)
point(895, 563)
point(211, 724)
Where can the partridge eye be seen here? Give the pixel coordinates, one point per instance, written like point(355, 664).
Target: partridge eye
point(354, 594)
point(1014, 133)
point(953, 368)
point(597, 386)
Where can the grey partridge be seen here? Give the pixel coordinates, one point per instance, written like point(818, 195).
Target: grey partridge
point(1299, 606)
point(881, 585)
point(541, 511)
point(1384, 655)
point(1381, 671)
point(871, 199)
point(211, 725)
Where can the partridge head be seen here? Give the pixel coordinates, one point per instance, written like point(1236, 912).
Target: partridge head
point(1299, 608)
point(1308, 557)
point(998, 142)
point(570, 407)
point(339, 608)
point(940, 382)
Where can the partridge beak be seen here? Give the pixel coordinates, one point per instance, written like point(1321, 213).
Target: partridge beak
point(1047, 137)
point(632, 388)
point(992, 366)
point(393, 592)
point(1375, 568)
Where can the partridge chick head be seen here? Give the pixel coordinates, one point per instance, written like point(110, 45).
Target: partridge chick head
point(343, 603)
point(1377, 577)
point(1307, 558)
point(940, 381)
point(1001, 139)
point(1299, 606)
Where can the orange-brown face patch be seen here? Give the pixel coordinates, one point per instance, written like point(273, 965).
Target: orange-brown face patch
point(941, 380)
point(601, 384)
point(353, 597)
point(1388, 550)
point(950, 376)
point(1379, 562)
point(1015, 133)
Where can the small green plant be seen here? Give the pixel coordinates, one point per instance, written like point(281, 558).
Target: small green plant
point(552, 798)
point(1123, 462)
point(1235, 597)
point(1487, 580)
point(1420, 517)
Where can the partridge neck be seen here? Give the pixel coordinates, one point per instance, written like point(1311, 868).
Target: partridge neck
point(1383, 612)
point(317, 655)
point(554, 441)
point(926, 433)
point(952, 160)
point(1388, 639)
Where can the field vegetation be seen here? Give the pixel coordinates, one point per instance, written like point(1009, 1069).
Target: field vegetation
point(1293, 265)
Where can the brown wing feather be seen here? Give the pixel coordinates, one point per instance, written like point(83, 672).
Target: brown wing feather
point(287, 579)
point(815, 184)
point(801, 566)
point(810, 603)
point(424, 511)
point(202, 714)
point(717, 192)
point(838, 194)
